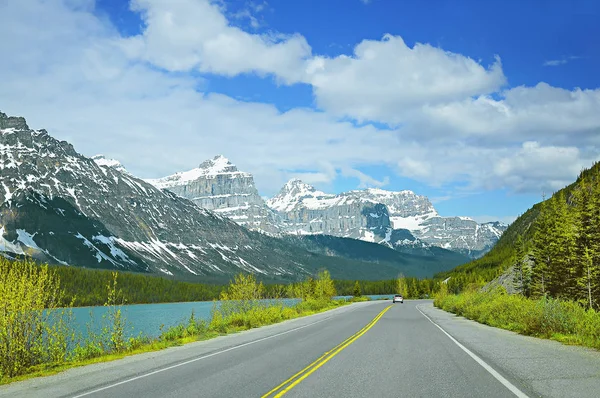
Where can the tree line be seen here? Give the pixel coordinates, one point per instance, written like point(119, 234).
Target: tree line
point(87, 287)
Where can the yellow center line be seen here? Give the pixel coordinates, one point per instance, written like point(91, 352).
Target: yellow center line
point(314, 362)
point(324, 358)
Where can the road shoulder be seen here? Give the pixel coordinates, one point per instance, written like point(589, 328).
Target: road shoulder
point(539, 367)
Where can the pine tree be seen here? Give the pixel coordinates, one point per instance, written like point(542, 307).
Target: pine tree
point(563, 268)
point(519, 274)
point(542, 253)
point(587, 247)
point(357, 291)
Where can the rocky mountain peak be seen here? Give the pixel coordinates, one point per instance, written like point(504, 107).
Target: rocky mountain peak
point(11, 122)
point(218, 165)
point(298, 187)
point(101, 160)
point(209, 169)
point(292, 194)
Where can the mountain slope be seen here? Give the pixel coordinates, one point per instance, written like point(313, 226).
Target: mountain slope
point(59, 206)
point(410, 264)
point(504, 254)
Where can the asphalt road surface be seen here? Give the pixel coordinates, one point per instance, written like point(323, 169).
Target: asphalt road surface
point(371, 349)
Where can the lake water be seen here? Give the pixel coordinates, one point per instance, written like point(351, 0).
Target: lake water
point(148, 318)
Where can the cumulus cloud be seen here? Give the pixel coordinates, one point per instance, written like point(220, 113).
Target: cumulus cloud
point(542, 112)
point(195, 35)
point(454, 121)
point(386, 79)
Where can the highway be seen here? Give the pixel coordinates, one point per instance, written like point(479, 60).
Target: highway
point(371, 349)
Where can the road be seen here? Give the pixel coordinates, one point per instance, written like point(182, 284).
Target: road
point(372, 349)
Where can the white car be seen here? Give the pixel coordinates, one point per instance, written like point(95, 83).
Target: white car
point(398, 299)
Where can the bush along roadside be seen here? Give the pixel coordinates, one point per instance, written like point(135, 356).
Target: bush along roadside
point(243, 306)
point(37, 336)
point(564, 321)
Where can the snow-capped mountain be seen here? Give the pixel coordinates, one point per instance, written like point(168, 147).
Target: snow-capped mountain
point(219, 186)
point(305, 210)
point(59, 206)
point(403, 220)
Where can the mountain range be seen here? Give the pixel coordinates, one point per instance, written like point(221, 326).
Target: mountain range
point(401, 220)
point(59, 206)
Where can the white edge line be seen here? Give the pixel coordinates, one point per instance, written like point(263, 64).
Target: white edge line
point(480, 361)
point(198, 359)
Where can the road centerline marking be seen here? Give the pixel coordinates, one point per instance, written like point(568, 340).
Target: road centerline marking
point(514, 389)
point(323, 359)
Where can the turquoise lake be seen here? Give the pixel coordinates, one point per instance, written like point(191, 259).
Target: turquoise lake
point(147, 319)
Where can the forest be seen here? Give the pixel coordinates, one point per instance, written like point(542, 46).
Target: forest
point(554, 248)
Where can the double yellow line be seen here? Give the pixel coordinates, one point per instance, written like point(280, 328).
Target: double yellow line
point(293, 381)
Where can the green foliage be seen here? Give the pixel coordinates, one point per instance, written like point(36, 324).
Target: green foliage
point(242, 307)
point(356, 292)
point(321, 288)
point(561, 236)
point(33, 329)
point(88, 287)
point(545, 317)
point(242, 294)
point(324, 287)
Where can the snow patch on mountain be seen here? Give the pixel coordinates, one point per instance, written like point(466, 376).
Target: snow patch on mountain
point(211, 168)
point(102, 161)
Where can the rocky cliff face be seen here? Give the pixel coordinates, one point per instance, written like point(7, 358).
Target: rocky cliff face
point(219, 186)
point(402, 220)
point(460, 234)
point(305, 210)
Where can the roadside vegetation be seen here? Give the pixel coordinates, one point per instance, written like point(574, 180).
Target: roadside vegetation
point(553, 254)
point(37, 336)
point(545, 317)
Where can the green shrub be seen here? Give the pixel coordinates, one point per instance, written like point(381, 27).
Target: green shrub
point(565, 321)
point(33, 329)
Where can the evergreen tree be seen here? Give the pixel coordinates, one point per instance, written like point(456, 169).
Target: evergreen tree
point(587, 245)
point(563, 268)
point(519, 275)
point(542, 254)
point(356, 292)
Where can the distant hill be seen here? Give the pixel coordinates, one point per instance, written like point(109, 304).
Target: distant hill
point(551, 235)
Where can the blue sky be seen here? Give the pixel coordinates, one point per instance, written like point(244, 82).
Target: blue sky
point(480, 105)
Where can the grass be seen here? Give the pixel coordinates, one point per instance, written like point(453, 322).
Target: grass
point(563, 321)
point(223, 321)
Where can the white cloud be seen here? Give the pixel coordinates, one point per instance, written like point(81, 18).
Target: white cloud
point(386, 79)
point(365, 180)
point(194, 34)
point(542, 113)
point(562, 61)
point(131, 99)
